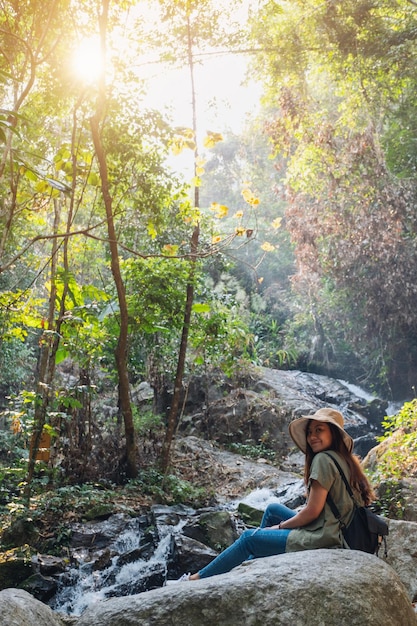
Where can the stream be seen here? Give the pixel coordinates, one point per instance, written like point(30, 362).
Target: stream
point(139, 553)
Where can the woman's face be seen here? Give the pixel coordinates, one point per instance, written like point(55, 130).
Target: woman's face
point(319, 436)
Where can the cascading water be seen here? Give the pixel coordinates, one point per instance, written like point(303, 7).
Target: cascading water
point(126, 572)
point(138, 558)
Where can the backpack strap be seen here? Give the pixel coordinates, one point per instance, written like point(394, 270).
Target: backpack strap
point(329, 498)
point(341, 472)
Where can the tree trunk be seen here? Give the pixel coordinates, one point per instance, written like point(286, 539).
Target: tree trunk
point(175, 404)
point(46, 369)
point(122, 343)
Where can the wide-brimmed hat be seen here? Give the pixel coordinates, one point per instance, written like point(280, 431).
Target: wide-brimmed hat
point(298, 427)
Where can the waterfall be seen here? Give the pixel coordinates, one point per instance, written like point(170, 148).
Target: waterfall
point(84, 584)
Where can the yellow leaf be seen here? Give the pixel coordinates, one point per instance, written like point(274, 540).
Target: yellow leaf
point(152, 230)
point(220, 209)
point(170, 249)
point(260, 280)
point(189, 144)
point(16, 425)
point(250, 198)
point(177, 147)
point(211, 139)
point(267, 247)
point(184, 131)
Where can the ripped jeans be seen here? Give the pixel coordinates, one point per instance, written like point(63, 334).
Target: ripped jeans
point(253, 543)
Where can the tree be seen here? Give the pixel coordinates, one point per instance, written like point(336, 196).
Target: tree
point(338, 82)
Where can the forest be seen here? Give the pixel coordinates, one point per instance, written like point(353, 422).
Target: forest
point(292, 244)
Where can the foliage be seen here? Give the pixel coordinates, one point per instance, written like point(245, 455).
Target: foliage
point(337, 76)
point(168, 489)
point(400, 459)
point(253, 451)
point(396, 459)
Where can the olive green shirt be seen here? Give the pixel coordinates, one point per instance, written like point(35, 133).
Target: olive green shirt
point(324, 532)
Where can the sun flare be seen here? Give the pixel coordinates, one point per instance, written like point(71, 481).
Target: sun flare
point(87, 60)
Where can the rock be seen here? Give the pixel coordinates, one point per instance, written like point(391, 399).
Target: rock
point(402, 554)
point(213, 528)
point(364, 444)
point(100, 511)
point(19, 533)
point(49, 565)
point(188, 555)
point(43, 588)
point(233, 475)
point(98, 534)
point(262, 410)
point(400, 492)
point(250, 516)
point(19, 608)
point(330, 587)
point(15, 567)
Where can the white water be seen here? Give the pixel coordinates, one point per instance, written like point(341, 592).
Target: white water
point(88, 586)
point(260, 498)
point(358, 391)
point(393, 407)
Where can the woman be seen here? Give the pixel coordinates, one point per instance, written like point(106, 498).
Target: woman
point(314, 526)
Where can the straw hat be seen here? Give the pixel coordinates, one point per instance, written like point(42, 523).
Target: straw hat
point(298, 427)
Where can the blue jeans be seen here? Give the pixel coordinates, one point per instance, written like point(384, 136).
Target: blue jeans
point(253, 543)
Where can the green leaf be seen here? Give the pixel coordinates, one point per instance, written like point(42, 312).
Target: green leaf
point(201, 307)
point(61, 355)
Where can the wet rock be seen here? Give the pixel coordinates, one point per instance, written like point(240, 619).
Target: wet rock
point(150, 580)
point(49, 565)
point(263, 411)
point(15, 567)
point(41, 587)
point(214, 528)
point(98, 534)
point(144, 552)
point(188, 555)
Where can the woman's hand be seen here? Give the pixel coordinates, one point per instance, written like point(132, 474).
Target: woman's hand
point(311, 511)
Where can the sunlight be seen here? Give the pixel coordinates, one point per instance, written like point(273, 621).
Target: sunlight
point(87, 60)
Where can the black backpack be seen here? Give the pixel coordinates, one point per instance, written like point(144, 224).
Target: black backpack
point(367, 530)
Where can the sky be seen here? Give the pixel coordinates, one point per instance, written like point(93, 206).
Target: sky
point(223, 100)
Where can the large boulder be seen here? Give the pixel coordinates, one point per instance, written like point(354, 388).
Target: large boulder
point(331, 587)
point(262, 408)
point(402, 554)
point(19, 608)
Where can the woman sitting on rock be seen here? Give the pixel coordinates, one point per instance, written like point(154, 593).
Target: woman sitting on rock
point(314, 526)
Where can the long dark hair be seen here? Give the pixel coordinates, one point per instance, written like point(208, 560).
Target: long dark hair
point(358, 480)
